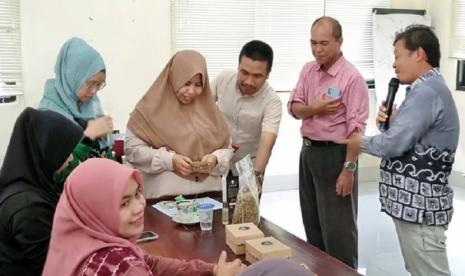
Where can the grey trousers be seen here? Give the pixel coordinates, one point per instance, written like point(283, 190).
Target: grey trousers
point(423, 248)
point(330, 221)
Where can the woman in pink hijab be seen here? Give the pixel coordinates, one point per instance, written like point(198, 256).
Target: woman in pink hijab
point(98, 218)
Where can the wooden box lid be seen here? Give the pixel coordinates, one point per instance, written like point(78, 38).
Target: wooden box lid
point(239, 233)
point(267, 248)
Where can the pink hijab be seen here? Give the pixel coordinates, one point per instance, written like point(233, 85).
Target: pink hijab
point(87, 215)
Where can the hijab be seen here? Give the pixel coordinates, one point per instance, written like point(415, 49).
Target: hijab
point(87, 216)
point(40, 143)
point(77, 62)
point(160, 120)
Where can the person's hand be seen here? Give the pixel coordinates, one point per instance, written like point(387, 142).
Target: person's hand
point(223, 268)
point(344, 183)
point(210, 160)
point(182, 164)
point(324, 105)
point(99, 127)
point(382, 114)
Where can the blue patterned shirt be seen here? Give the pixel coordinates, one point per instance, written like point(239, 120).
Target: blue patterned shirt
point(418, 152)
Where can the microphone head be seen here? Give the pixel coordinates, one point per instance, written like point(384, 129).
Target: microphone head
point(394, 83)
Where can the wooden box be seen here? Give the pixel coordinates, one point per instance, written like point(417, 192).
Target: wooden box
point(266, 248)
point(237, 234)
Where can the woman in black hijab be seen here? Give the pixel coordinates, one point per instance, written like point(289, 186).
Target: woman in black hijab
point(40, 146)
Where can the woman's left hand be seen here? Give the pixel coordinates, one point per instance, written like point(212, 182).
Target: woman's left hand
point(182, 164)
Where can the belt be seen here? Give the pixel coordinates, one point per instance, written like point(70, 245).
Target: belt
point(317, 143)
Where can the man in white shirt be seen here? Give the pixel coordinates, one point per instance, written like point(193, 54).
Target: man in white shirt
point(251, 106)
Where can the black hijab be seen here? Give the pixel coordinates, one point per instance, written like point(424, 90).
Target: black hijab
point(40, 143)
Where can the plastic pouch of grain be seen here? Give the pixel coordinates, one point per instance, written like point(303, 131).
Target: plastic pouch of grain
point(247, 203)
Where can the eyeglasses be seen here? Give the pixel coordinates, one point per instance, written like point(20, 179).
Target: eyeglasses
point(97, 85)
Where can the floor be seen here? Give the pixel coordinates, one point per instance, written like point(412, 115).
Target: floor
point(379, 252)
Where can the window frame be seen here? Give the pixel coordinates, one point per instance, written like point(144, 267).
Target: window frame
point(11, 71)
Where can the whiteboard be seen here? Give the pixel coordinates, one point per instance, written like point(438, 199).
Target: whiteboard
point(385, 27)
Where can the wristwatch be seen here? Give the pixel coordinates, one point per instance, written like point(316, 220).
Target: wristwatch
point(351, 166)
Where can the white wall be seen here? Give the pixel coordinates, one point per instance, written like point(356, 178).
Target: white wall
point(8, 114)
point(134, 39)
point(409, 4)
point(441, 12)
point(132, 36)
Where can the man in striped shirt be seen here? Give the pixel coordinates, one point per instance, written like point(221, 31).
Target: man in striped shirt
point(331, 98)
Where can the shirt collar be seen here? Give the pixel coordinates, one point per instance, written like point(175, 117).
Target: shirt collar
point(434, 72)
point(334, 69)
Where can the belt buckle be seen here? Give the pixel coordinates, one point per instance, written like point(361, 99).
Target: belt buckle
point(307, 142)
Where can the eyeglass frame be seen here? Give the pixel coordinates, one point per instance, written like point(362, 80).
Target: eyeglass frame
point(99, 86)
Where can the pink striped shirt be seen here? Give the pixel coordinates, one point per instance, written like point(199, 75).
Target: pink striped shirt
point(353, 111)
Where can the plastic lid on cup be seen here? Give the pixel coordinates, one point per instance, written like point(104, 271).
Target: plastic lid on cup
point(205, 206)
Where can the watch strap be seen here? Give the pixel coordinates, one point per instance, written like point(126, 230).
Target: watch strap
point(350, 166)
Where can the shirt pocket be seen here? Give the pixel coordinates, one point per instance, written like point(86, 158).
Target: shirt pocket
point(250, 122)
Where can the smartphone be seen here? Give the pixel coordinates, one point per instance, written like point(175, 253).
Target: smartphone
point(147, 236)
point(199, 164)
point(333, 92)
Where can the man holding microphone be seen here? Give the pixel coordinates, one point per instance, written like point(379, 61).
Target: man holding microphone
point(417, 152)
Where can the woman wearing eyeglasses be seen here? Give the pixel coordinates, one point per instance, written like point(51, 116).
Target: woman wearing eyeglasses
point(79, 75)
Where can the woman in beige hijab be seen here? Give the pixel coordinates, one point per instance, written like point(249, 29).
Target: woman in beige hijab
point(176, 136)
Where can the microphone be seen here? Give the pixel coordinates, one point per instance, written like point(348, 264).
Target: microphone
point(393, 86)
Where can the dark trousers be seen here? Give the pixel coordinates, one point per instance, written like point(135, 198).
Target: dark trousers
point(330, 220)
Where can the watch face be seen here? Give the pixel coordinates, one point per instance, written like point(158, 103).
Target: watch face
point(350, 165)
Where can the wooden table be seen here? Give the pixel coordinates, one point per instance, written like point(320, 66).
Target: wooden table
point(189, 242)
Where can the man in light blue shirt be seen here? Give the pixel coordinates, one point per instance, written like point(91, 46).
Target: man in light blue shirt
point(417, 154)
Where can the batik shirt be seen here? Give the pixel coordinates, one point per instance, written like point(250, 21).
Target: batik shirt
point(417, 154)
point(119, 261)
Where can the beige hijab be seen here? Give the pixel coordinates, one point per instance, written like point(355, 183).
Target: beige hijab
point(160, 120)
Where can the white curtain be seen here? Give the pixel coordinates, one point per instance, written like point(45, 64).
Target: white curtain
point(219, 28)
point(10, 49)
point(458, 29)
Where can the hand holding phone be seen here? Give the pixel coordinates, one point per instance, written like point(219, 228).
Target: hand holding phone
point(328, 101)
point(147, 236)
point(199, 164)
point(333, 92)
